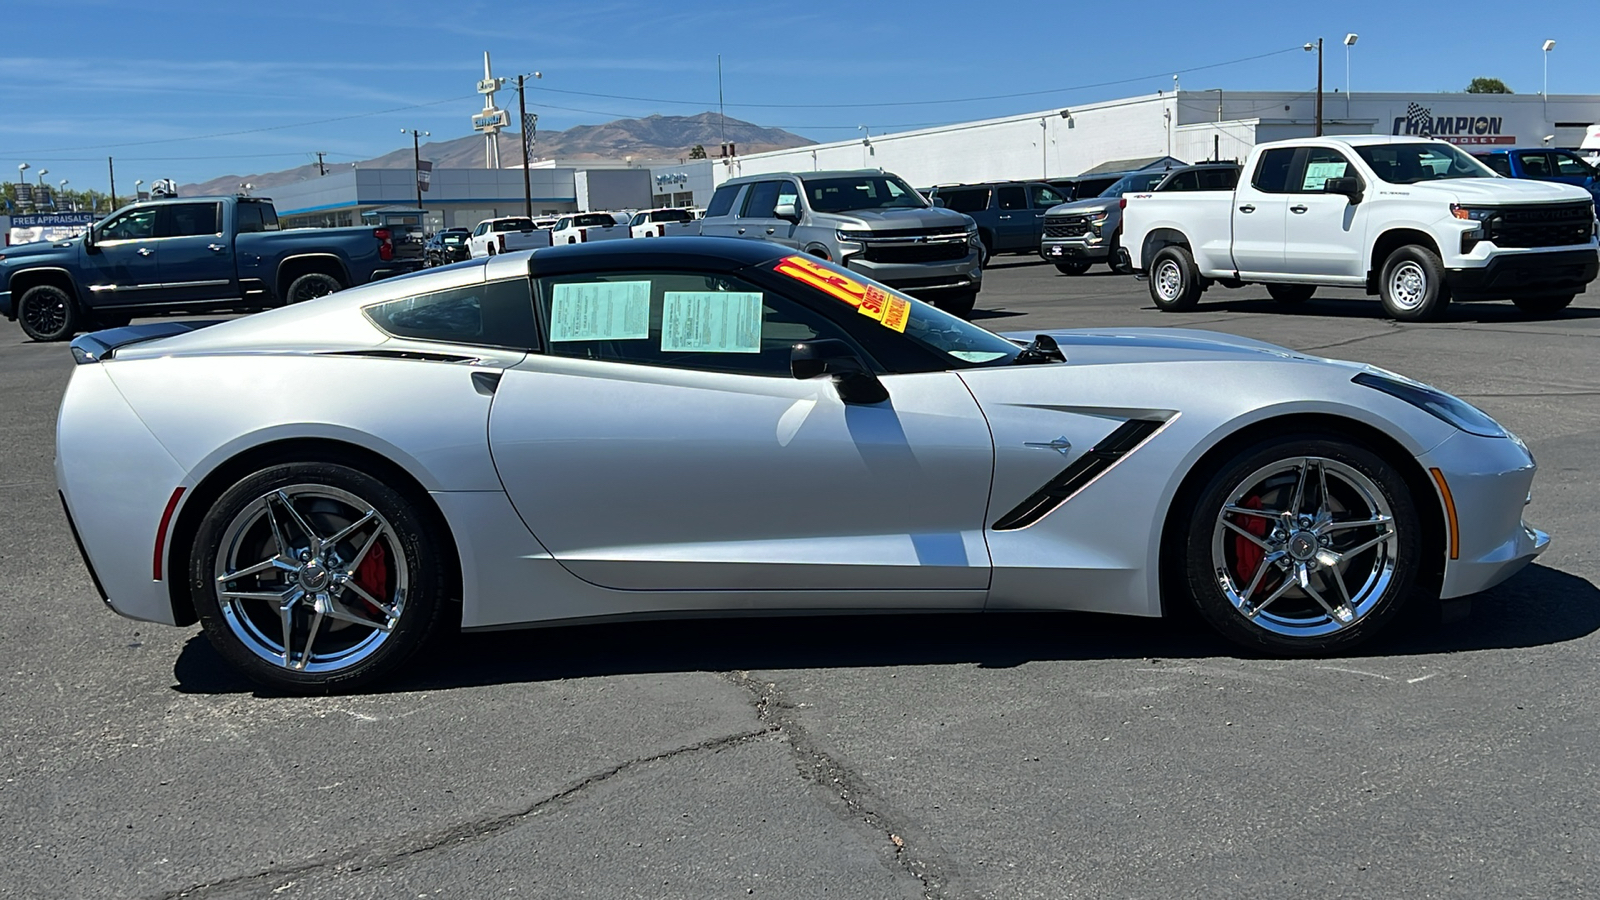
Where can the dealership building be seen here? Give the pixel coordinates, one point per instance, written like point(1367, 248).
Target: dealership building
point(1189, 125)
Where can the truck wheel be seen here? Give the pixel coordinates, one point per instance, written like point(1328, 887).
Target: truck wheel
point(311, 286)
point(1174, 281)
point(985, 248)
point(1543, 306)
point(1072, 268)
point(1412, 285)
point(1114, 260)
point(958, 303)
point(47, 313)
point(1291, 294)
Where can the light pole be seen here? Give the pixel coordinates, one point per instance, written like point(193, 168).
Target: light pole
point(1548, 46)
point(416, 160)
point(527, 143)
point(22, 172)
point(1318, 47)
point(136, 183)
point(42, 174)
point(1349, 41)
point(63, 189)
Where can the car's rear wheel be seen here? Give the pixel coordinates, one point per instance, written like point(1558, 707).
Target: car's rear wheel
point(1412, 285)
point(47, 313)
point(1544, 306)
point(313, 577)
point(1291, 294)
point(1303, 544)
point(312, 285)
point(1174, 280)
point(958, 303)
point(1072, 268)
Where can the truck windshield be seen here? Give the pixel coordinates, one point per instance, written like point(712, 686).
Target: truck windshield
point(861, 192)
point(1411, 163)
point(514, 225)
point(1132, 184)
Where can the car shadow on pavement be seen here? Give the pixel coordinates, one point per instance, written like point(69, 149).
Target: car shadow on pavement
point(1495, 313)
point(1538, 607)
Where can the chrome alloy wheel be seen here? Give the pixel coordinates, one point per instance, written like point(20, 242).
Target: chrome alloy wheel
point(1305, 547)
point(311, 578)
point(1169, 280)
point(1408, 285)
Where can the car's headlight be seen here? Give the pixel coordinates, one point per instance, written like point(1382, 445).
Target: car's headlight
point(1437, 403)
point(1471, 213)
point(1100, 218)
point(848, 234)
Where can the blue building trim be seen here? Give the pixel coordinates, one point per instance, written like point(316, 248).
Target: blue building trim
point(427, 201)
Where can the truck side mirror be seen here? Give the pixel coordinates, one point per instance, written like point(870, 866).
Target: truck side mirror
point(89, 245)
point(1349, 186)
point(786, 211)
point(938, 202)
point(831, 356)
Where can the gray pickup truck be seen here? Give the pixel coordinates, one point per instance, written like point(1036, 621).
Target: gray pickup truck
point(869, 221)
point(188, 254)
point(1081, 233)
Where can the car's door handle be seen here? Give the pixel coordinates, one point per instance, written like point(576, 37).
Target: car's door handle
point(145, 251)
point(1297, 209)
point(216, 248)
point(1247, 208)
point(741, 231)
point(1060, 445)
point(772, 231)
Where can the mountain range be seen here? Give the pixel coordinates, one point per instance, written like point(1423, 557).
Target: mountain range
point(653, 137)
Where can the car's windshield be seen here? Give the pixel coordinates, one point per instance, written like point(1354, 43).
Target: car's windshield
point(451, 237)
point(960, 343)
point(1411, 163)
point(866, 191)
point(513, 225)
point(1129, 184)
point(672, 215)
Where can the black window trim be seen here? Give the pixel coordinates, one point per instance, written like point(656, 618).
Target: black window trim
point(538, 325)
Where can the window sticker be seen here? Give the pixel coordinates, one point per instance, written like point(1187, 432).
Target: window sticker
point(885, 308)
point(711, 322)
point(600, 311)
point(891, 310)
point(1318, 173)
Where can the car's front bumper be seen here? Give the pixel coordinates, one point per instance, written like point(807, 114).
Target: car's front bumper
point(1066, 250)
point(1528, 274)
point(923, 278)
point(1488, 482)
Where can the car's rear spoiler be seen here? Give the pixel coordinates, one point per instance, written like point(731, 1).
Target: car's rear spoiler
point(100, 345)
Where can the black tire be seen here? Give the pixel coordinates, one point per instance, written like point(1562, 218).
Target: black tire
point(409, 574)
point(491, 249)
point(106, 319)
point(1539, 307)
point(1228, 572)
point(1072, 268)
point(47, 313)
point(1114, 257)
point(310, 286)
point(1291, 294)
point(1174, 280)
point(958, 303)
point(985, 248)
point(1412, 285)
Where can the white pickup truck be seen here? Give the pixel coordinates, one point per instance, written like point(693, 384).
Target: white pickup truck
point(1416, 221)
point(505, 234)
point(582, 228)
point(667, 222)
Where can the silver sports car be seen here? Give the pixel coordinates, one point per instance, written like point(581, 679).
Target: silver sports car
point(710, 426)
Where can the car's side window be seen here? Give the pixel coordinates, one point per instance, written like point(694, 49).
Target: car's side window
point(701, 321)
point(1322, 163)
point(761, 201)
point(1272, 172)
point(1013, 197)
point(788, 193)
point(968, 200)
point(1184, 181)
point(1535, 163)
point(133, 225)
point(189, 220)
point(1045, 197)
point(1218, 179)
point(495, 314)
point(1498, 162)
point(1568, 166)
point(722, 201)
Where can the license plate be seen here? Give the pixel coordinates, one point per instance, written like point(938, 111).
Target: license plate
point(1055, 251)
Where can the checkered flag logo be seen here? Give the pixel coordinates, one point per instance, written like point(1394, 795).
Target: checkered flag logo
point(1419, 120)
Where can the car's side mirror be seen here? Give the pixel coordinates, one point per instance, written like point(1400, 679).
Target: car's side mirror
point(937, 202)
point(786, 211)
point(831, 356)
point(89, 245)
point(1349, 186)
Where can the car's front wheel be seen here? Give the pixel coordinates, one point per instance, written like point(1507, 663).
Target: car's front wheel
point(1072, 268)
point(313, 577)
point(47, 313)
point(958, 303)
point(1303, 544)
point(1412, 286)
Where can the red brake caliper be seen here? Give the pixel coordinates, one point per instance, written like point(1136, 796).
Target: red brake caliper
point(373, 576)
point(1248, 553)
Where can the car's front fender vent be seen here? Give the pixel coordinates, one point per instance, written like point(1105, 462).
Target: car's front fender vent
point(1076, 476)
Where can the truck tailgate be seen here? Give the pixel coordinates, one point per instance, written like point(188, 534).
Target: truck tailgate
point(1204, 219)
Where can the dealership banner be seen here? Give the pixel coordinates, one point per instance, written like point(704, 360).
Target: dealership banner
point(1420, 121)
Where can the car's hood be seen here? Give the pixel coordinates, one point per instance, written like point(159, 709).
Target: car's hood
point(36, 248)
point(1079, 207)
point(895, 219)
point(1104, 346)
point(1495, 191)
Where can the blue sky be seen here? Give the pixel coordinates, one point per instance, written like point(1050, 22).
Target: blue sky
point(166, 87)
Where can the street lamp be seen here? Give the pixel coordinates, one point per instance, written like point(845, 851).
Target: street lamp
point(529, 123)
point(1349, 41)
point(416, 159)
point(1548, 46)
point(42, 174)
point(22, 172)
point(1317, 47)
point(1218, 92)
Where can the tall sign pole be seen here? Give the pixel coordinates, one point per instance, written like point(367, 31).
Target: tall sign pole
point(111, 169)
point(492, 118)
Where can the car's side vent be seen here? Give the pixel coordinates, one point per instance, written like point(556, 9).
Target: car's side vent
point(1124, 440)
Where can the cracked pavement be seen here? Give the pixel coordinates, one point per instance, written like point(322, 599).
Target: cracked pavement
point(939, 756)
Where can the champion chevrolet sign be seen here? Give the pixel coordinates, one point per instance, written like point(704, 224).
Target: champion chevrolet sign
point(1420, 121)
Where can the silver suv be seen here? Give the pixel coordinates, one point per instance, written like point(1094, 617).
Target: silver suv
point(870, 221)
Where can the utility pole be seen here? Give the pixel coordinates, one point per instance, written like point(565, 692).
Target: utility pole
point(1318, 47)
point(322, 169)
point(416, 161)
point(111, 170)
point(527, 144)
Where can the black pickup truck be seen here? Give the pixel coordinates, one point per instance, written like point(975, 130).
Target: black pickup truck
point(188, 254)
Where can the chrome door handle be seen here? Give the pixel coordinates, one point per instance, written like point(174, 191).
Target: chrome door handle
point(144, 251)
point(1297, 209)
point(772, 231)
point(1060, 445)
point(741, 231)
point(1247, 208)
point(216, 247)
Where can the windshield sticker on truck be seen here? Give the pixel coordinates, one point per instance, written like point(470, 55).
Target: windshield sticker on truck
point(892, 310)
point(1318, 173)
point(600, 311)
point(711, 322)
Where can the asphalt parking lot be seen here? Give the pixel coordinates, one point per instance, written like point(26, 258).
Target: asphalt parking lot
point(1014, 756)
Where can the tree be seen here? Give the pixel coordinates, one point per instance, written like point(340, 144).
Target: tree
point(698, 151)
point(1488, 86)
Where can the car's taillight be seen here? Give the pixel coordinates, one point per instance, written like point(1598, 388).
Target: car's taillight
point(1122, 203)
point(385, 243)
